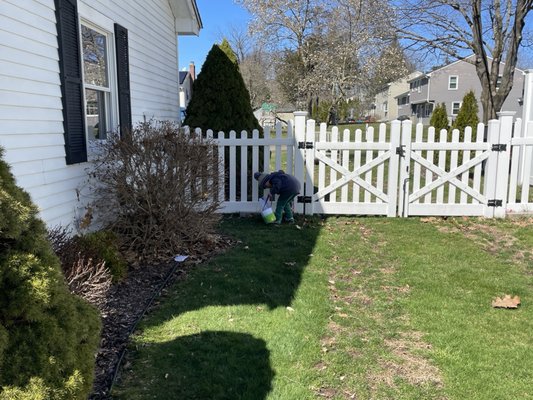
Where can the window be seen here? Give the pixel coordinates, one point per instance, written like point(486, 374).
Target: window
point(403, 100)
point(94, 76)
point(456, 106)
point(96, 81)
point(428, 110)
point(453, 82)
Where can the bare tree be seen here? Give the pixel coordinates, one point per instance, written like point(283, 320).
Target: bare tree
point(328, 48)
point(287, 26)
point(491, 29)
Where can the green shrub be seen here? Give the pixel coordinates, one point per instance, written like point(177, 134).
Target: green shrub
point(220, 100)
point(48, 337)
point(104, 246)
point(467, 114)
point(439, 118)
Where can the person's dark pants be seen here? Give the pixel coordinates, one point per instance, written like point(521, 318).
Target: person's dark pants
point(284, 205)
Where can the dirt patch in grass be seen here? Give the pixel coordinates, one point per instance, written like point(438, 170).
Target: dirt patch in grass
point(408, 364)
point(492, 238)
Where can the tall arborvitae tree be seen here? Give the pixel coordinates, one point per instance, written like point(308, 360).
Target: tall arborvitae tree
point(48, 337)
point(220, 99)
point(439, 117)
point(468, 114)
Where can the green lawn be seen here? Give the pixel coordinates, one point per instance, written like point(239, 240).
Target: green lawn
point(345, 308)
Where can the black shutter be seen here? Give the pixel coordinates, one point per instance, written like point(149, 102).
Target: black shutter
point(70, 71)
point(123, 79)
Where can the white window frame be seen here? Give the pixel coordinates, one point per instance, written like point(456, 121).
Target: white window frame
point(458, 108)
point(456, 82)
point(104, 25)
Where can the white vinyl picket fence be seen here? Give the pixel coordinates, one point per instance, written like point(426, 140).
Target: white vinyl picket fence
point(391, 171)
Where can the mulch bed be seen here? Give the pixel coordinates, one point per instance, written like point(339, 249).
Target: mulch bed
point(126, 302)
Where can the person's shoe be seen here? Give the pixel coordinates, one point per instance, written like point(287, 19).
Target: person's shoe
point(290, 221)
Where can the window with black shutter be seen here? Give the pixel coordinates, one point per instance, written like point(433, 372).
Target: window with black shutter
point(71, 80)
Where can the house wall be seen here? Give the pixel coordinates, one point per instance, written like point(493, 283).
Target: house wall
point(383, 105)
point(31, 128)
point(439, 92)
point(420, 93)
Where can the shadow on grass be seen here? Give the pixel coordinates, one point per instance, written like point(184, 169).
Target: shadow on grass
point(264, 268)
point(209, 365)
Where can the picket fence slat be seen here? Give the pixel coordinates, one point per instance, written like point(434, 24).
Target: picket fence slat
point(356, 164)
point(334, 155)
point(466, 158)
point(429, 158)
point(453, 165)
point(417, 166)
point(478, 168)
point(345, 164)
point(369, 157)
point(381, 168)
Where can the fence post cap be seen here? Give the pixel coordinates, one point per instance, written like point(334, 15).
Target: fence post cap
point(300, 113)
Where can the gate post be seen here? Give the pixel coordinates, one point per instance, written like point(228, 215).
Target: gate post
point(527, 116)
point(392, 189)
point(504, 156)
point(405, 164)
point(309, 188)
point(300, 118)
point(491, 170)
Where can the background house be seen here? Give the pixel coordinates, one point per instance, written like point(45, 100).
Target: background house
point(186, 79)
point(386, 105)
point(449, 84)
point(70, 72)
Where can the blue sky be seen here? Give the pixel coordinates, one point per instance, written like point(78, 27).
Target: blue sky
point(217, 16)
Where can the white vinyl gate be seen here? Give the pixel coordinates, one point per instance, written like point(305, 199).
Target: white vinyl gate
point(391, 171)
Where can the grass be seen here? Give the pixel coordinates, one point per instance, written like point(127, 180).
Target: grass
point(345, 308)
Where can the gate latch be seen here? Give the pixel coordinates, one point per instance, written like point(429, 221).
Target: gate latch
point(400, 150)
point(304, 199)
point(305, 145)
point(499, 147)
point(494, 203)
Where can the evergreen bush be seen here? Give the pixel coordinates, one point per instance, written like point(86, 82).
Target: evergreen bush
point(220, 100)
point(468, 114)
point(104, 244)
point(48, 337)
point(439, 118)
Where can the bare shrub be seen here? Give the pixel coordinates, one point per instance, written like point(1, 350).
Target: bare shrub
point(85, 272)
point(157, 189)
point(89, 279)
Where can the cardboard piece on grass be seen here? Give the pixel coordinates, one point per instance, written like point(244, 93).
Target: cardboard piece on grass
point(506, 302)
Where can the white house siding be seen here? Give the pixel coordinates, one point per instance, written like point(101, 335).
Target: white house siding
point(31, 119)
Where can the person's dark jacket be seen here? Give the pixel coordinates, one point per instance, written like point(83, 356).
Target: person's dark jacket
point(283, 183)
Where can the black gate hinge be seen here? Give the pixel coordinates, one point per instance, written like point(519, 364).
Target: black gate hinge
point(304, 199)
point(494, 203)
point(400, 150)
point(499, 147)
point(305, 145)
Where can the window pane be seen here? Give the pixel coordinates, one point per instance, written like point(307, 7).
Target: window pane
point(455, 108)
point(96, 114)
point(453, 82)
point(94, 57)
